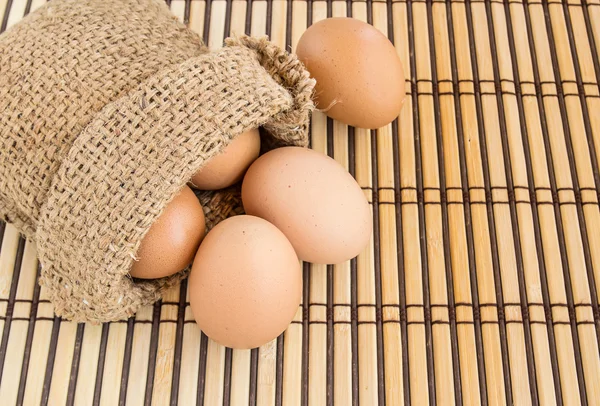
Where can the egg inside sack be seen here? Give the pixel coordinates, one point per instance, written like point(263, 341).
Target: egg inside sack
point(228, 167)
point(360, 79)
point(171, 242)
point(246, 283)
point(313, 200)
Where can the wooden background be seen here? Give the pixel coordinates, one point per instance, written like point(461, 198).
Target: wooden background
point(481, 283)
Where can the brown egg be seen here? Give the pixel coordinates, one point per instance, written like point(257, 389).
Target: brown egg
point(172, 241)
point(360, 80)
point(313, 200)
point(228, 167)
point(246, 283)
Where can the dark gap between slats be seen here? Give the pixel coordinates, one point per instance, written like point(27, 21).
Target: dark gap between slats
point(557, 212)
point(513, 210)
point(421, 210)
point(535, 215)
point(490, 211)
point(444, 210)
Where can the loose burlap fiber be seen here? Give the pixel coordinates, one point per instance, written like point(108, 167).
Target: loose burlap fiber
point(107, 109)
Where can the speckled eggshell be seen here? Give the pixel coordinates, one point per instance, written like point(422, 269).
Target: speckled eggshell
point(246, 283)
point(313, 200)
point(229, 166)
point(360, 79)
point(172, 241)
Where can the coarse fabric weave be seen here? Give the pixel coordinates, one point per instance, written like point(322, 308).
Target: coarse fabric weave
point(107, 109)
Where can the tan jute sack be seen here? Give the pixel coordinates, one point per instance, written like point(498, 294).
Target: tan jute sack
point(107, 109)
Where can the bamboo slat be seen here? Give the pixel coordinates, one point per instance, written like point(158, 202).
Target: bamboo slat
point(481, 283)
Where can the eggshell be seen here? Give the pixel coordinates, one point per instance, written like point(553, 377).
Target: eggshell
point(246, 283)
point(172, 241)
point(228, 167)
point(313, 200)
point(360, 80)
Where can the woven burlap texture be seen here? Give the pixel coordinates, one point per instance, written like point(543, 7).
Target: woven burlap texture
point(108, 109)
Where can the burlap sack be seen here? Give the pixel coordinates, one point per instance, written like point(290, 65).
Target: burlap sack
point(107, 109)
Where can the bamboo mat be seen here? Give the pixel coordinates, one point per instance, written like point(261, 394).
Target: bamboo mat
point(482, 280)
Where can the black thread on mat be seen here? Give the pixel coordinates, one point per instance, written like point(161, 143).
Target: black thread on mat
point(513, 209)
point(399, 239)
point(27, 7)
point(126, 360)
point(330, 280)
point(557, 212)
point(6, 14)
point(490, 211)
point(202, 369)
point(152, 353)
point(353, 276)
point(421, 215)
point(269, 21)
point(11, 303)
point(536, 221)
point(228, 351)
point(575, 180)
point(2, 228)
point(207, 10)
point(187, 10)
point(75, 365)
point(305, 332)
point(50, 361)
point(444, 210)
point(178, 344)
point(594, 162)
point(279, 370)
point(377, 253)
point(227, 377)
point(29, 339)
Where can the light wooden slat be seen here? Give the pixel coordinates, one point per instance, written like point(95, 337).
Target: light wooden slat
point(161, 389)
point(197, 10)
point(217, 24)
point(62, 363)
point(178, 9)
point(138, 367)
point(240, 379)
point(113, 364)
point(188, 373)
point(215, 368)
point(16, 12)
point(88, 365)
